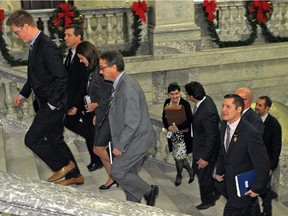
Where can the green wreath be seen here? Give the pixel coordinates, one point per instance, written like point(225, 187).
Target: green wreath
point(64, 15)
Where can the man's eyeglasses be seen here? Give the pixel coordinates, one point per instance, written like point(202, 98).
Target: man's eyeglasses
point(102, 68)
point(17, 32)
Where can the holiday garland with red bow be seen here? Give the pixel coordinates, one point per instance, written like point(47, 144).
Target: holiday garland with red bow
point(1, 18)
point(258, 12)
point(64, 15)
point(139, 9)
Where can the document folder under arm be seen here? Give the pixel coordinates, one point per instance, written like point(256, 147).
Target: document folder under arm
point(244, 182)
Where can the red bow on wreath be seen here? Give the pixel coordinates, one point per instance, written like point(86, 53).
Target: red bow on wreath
point(263, 6)
point(1, 18)
point(210, 8)
point(68, 14)
point(139, 8)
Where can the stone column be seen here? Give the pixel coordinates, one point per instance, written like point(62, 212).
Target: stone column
point(174, 28)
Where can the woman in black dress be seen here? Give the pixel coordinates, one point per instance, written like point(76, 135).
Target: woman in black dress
point(174, 102)
point(99, 91)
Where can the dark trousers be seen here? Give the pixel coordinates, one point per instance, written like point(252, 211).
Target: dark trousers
point(206, 181)
point(83, 126)
point(246, 207)
point(267, 199)
point(45, 138)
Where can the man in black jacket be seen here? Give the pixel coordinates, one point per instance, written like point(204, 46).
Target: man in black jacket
point(272, 138)
point(206, 141)
point(47, 79)
point(77, 118)
point(248, 113)
point(242, 150)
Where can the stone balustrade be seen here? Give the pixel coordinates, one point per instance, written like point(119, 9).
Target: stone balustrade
point(107, 28)
point(232, 24)
point(12, 80)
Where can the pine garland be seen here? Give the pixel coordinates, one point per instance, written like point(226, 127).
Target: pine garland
point(255, 17)
point(136, 26)
point(6, 55)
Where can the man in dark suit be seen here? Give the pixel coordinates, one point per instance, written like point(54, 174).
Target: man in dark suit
point(47, 79)
point(78, 119)
point(131, 129)
point(272, 138)
point(242, 149)
point(248, 112)
point(206, 141)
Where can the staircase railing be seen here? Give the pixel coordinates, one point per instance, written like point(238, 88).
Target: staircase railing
point(25, 196)
point(13, 79)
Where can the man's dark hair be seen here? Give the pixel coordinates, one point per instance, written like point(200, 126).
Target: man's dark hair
point(268, 101)
point(173, 87)
point(196, 90)
point(238, 101)
point(78, 30)
point(113, 58)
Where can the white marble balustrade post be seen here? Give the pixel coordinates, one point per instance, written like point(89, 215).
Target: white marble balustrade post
point(25, 109)
point(89, 31)
point(45, 23)
point(109, 29)
point(11, 113)
point(99, 30)
point(119, 28)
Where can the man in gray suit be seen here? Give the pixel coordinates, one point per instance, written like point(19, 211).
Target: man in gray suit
point(131, 129)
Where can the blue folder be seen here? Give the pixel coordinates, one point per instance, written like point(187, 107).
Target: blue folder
point(244, 181)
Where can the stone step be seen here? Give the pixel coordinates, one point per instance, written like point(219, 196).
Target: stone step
point(19, 159)
point(181, 199)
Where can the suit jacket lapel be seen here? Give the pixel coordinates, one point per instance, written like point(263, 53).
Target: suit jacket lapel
point(198, 111)
point(33, 51)
point(223, 129)
point(118, 87)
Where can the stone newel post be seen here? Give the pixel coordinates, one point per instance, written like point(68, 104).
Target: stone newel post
point(174, 28)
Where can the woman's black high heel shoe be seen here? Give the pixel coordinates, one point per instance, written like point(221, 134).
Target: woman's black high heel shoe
point(191, 175)
point(106, 187)
point(178, 180)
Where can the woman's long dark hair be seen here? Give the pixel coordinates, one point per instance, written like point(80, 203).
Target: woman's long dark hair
point(89, 51)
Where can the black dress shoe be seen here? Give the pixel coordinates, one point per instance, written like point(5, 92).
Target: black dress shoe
point(217, 195)
point(273, 194)
point(94, 166)
point(203, 206)
point(106, 187)
point(151, 197)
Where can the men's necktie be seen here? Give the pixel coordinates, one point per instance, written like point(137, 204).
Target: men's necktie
point(30, 49)
point(227, 138)
point(194, 109)
point(109, 105)
point(69, 58)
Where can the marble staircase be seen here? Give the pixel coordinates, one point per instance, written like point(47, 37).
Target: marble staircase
point(15, 158)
